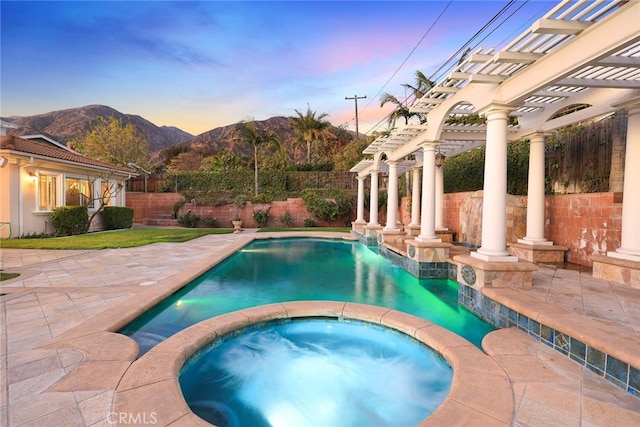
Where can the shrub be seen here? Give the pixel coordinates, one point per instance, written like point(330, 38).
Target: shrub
point(261, 198)
point(189, 220)
point(286, 219)
point(308, 222)
point(261, 217)
point(70, 220)
point(327, 205)
point(177, 205)
point(117, 217)
point(209, 221)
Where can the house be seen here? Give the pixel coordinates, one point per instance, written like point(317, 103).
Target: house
point(38, 174)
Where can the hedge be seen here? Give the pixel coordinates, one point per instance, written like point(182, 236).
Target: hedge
point(117, 217)
point(70, 220)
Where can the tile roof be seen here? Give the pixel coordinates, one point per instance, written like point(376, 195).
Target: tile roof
point(32, 147)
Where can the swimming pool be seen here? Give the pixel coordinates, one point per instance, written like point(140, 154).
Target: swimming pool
point(295, 269)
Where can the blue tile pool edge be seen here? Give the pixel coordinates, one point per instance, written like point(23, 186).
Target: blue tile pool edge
point(619, 373)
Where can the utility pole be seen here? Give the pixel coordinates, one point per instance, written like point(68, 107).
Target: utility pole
point(355, 98)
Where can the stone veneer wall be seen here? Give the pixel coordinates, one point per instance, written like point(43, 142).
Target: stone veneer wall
point(588, 224)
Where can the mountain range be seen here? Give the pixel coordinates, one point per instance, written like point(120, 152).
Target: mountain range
point(66, 125)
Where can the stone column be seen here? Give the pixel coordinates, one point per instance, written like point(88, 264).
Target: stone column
point(415, 198)
point(494, 198)
point(360, 207)
point(428, 217)
point(630, 242)
point(392, 199)
point(535, 193)
point(373, 200)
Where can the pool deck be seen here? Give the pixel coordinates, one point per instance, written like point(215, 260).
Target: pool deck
point(63, 297)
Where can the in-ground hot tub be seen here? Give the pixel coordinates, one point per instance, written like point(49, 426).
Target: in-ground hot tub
point(480, 392)
point(315, 372)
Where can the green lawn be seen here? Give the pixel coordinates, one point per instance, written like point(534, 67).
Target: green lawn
point(134, 237)
point(114, 239)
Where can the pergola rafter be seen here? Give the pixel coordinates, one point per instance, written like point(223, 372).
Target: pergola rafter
point(585, 53)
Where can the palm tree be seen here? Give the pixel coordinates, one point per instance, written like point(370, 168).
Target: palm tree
point(420, 89)
point(249, 133)
point(309, 127)
point(401, 110)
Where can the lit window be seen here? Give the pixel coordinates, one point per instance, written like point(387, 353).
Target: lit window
point(78, 192)
point(107, 192)
point(47, 192)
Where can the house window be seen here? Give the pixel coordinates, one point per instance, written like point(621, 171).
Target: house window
point(78, 192)
point(107, 192)
point(47, 191)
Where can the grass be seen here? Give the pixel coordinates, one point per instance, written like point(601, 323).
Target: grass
point(333, 229)
point(6, 276)
point(114, 239)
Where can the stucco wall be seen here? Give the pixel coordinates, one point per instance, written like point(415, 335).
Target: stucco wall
point(153, 205)
point(150, 205)
point(295, 207)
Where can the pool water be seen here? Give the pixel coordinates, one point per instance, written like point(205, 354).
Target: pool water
point(315, 372)
point(294, 269)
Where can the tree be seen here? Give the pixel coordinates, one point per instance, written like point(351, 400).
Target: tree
point(309, 127)
point(224, 161)
point(187, 161)
point(113, 142)
point(249, 133)
point(418, 90)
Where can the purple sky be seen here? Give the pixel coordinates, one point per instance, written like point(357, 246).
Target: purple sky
point(200, 65)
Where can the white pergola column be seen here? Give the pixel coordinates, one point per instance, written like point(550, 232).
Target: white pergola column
point(392, 198)
point(630, 241)
point(373, 200)
point(494, 196)
point(535, 193)
point(415, 197)
point(360, 206)
point(440, 198)
point(428, 218)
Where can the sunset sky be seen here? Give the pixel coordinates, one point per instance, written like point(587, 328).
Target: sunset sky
point(203, 64)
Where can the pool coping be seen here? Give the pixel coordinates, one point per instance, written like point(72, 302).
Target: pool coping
point(109, 356)
point(480, 391)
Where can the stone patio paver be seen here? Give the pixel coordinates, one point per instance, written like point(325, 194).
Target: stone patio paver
point(61, 290)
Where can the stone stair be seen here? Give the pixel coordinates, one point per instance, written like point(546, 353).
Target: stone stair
point(160, 219)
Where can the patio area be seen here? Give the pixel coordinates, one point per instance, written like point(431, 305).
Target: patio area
point(62, 293)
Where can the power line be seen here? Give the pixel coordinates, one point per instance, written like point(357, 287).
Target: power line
point(453, 56)
point(409, 55)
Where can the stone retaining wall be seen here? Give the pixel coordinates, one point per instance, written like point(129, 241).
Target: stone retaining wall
point(588, 224)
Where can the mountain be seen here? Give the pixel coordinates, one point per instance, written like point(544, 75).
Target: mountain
point(65, 125)
point(216, 139)
point(165, 141)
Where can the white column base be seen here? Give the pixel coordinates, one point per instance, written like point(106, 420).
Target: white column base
point(425, 239)
point(621, 254)
point(494, 258)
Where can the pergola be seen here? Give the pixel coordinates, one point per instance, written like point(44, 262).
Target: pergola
point(580, 61)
